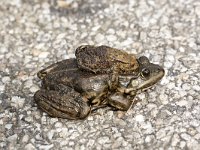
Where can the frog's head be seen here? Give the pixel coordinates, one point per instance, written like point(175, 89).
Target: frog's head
point(149, 74)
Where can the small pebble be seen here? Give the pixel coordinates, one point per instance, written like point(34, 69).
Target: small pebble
point(99, 37)
point(43, 54)
point(103, 140)
point(182, 103)
point(111, 38)
point(17, 101)
point(8, 126)
point(12, 138)
point(2, 87)
point(25, 138)
point(140, 118)
point(50, 134)
point(34, 88)
point(182, 144)
point(29, 147)
point(186, 136)
point(5, 79)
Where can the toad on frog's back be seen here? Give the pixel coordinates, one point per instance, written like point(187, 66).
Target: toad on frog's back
point(102, 59)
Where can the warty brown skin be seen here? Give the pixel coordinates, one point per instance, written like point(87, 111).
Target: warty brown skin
point(105, 59)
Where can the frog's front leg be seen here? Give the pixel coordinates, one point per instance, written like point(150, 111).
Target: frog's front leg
point(120, 101)
point(63, 102)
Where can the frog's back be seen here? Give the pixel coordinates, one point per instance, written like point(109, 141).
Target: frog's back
point(76, 78)
point(67, 64)
point(66, 77)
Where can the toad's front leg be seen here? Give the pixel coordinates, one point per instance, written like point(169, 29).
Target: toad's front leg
point(63, 102)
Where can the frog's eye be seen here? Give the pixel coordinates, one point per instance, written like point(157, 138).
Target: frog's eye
point(145, 72)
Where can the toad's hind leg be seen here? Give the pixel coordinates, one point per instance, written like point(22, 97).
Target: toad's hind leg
point(65, 103)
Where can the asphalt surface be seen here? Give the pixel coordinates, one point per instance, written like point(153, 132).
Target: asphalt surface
point(37, 33)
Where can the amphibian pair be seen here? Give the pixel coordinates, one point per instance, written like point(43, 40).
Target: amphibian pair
point(97, 77)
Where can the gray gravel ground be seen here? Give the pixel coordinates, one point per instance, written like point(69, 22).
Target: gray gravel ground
point(37, 33)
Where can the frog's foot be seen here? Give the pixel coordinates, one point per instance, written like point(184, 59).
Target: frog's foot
point(62, 104)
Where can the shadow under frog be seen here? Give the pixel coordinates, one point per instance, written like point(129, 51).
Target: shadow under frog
point(70, 92)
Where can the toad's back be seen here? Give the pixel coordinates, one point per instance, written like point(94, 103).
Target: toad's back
point(105, 59)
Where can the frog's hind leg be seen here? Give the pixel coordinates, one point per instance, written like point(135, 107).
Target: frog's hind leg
point(62, 103)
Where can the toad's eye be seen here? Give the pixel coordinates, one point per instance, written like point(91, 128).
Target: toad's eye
point(145, 73)
point(84, 47)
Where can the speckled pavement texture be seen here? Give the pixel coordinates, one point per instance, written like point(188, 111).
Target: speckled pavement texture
point(37, 33)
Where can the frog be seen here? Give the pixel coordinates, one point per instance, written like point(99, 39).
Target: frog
point(105, 59)
point(73, 93)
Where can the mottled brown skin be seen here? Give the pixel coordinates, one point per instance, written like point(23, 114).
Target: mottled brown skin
point(69, 92)
point(104, 59)
point(62, 102)
point(66, 64)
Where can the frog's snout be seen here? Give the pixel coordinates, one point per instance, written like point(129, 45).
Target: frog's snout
point(161, 71)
